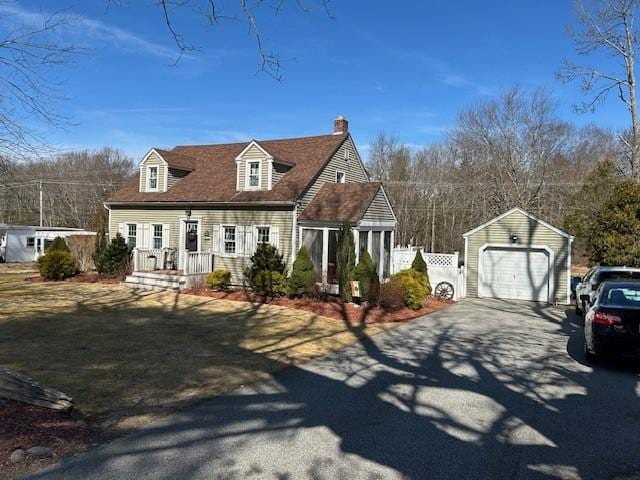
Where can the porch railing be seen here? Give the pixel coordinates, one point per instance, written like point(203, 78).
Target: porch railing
point(148, 259)
point(197, 262)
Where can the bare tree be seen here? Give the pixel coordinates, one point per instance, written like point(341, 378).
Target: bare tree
point(214, 12)
point(607, 26)
point(29, 52)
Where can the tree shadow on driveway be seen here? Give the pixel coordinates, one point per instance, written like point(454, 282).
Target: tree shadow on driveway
point(483, 389)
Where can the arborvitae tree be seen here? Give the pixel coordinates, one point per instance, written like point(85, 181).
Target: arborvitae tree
point(419, 264)
point(114, 256)
point(345, 261)
point(58, 245)
point(366, 273)
point(303, 275)
point(615, 232)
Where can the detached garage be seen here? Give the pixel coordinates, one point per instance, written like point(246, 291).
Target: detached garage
point(518, 256)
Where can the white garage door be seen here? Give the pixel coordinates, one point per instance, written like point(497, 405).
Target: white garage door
point(520, 274)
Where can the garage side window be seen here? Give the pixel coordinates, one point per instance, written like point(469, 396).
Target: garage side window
point(31, 242)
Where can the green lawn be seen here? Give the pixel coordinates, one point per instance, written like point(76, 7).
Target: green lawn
point(127, 357)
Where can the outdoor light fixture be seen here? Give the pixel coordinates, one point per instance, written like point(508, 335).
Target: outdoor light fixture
point(187, 212)
point(514, 238)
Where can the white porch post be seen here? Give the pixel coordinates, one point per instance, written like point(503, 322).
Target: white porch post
point(356, 240)
point(381, 262)
point(325, 254)
point(136, 260)
point(391, 247)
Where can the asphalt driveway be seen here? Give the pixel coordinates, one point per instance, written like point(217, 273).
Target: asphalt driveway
point(483, 389)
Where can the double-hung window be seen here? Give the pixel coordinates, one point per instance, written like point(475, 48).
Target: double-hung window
point(254, 174)
point(157, 236)
point(340, 176)
point(263, 235)
point(132, 231)
point(31, 242)
point(230, 240)
point(153, 178)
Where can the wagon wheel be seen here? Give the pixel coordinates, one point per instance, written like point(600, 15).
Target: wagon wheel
point(444, 290)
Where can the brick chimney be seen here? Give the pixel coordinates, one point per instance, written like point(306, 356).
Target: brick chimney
point(340, 125)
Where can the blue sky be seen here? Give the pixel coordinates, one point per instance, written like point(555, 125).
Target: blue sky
point(405, 68)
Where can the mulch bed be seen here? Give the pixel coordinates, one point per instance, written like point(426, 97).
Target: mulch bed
point(333, 307)
point(87, 277)
point(25, 426)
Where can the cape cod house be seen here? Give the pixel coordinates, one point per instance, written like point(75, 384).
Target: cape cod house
point(195, 208)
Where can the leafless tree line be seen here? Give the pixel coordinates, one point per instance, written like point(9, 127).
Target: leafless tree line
point(74, 187)
point(509, 151)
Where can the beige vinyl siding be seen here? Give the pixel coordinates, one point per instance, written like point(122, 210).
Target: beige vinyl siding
point(174, 175)
point(153, 160)
point(253, 154)
point(279, 170)
point(209, 217)
point(529, 232)
point(353, 168)
point(379, 210)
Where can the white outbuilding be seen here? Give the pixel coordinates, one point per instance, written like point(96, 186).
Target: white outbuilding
point(25, 243)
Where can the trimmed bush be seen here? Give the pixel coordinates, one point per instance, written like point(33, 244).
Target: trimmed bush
point(270, 283)
point(392, 295)
point(416, 287)
point(219, 279)
point(419, 264)
point(260, 274)
point(345, 261)
point(365, 273)
point(303, 277)
point(56, 265)
point(115, 259)
point(58, 245)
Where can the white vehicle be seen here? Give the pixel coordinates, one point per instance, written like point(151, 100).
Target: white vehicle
point(586, 289)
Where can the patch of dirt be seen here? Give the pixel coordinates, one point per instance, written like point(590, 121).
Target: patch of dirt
point(333, 307)
point(25, 426)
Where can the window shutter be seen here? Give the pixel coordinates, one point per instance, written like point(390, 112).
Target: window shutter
point(165, 235)
point(140, 236)
point(121, 229)
point(240, 240)
point(249, 242)
point(274, 236)
point(215, 239)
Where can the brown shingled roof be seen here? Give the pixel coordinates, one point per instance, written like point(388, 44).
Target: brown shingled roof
point(213, 178)
point(340, 202)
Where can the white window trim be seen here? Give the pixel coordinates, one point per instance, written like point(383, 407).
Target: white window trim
point(247, 175)
point(148, 178)
point(344, 176)
point(223, 252)
point(153, 234)
point(256, 227)
point(126, 231)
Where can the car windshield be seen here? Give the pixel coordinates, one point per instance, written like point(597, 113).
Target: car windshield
point(618, 275)
point(621, 296)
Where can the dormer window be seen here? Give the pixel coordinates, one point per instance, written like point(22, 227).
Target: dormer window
point(152, 178)
point(254, 175)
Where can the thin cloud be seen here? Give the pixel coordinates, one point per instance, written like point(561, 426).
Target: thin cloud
point(99, 33)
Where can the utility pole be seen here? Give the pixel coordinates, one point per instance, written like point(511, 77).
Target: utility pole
point(40, 190)
point(433, 224)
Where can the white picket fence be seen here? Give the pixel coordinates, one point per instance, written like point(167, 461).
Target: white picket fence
point(443, 267)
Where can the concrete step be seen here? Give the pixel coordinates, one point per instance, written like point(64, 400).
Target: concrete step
point(174, 277)
point(148, 288)
point(166, 283)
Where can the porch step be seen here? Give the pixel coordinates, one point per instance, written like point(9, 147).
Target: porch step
point(155, 281)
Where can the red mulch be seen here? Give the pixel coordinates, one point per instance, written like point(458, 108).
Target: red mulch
point(87, 277)
point(333, 307)
point(25, 426)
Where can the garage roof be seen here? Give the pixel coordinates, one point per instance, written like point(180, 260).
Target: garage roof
point(513, 210)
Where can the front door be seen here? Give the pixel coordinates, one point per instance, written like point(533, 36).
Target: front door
point(191, 236)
